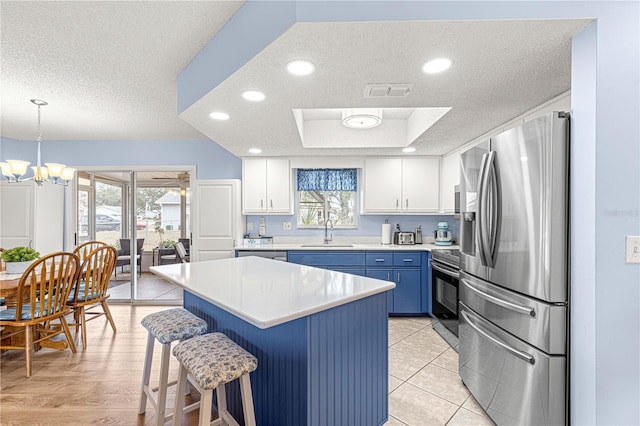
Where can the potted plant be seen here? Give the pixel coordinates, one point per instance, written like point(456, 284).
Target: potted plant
point(18, 259)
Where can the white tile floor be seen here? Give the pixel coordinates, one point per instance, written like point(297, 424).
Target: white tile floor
point(424, 386)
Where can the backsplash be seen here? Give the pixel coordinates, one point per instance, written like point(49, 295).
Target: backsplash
point(368, 225)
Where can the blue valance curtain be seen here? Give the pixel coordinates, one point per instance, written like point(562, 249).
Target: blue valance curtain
point(327, 179)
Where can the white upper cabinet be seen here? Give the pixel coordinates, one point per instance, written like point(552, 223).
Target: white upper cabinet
point(450, 178)
point(394, 185)
point(266, 186)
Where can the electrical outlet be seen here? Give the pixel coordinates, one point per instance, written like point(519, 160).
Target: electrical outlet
point(633, 249)
point(249, 226)
point(286, 226)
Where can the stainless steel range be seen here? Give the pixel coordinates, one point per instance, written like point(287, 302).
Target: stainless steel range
point(444, 280)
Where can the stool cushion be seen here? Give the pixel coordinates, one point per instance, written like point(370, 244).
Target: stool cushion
point(174, 324)
point(214, 359)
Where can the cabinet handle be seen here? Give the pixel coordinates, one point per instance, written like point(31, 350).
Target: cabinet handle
point(388, 276)
point(407, 260)
point(261, 203)
point(397, 203)
point(271, 203)
point(379, 260)
point(407, 203)
point(398, 277)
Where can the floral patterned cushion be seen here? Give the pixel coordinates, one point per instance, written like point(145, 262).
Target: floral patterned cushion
point(174, 324)
point(213, 359)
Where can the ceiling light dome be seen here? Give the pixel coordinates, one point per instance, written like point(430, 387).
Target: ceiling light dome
point(435, 66)
point(300, 67)
point(362, 118)
point(409, 149)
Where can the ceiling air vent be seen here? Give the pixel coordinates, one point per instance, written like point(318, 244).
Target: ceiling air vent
point(391, 90)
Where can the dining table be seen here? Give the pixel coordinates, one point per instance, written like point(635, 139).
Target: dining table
point(9, 291)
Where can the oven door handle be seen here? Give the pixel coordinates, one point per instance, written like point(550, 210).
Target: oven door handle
point(526, 310)
point(522, 355)
point(455, 275)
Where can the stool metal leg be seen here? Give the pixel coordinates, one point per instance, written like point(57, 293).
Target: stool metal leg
point(148, 358)
point(179, 404)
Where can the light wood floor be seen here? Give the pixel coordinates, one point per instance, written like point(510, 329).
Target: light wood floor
point(100, 385)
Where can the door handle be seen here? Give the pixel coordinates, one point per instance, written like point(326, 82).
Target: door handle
point(494, 210)
point(526, 310)
point(522, 355)
point(482, 237)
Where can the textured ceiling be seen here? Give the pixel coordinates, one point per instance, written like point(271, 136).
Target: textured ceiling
point(108, 71)
point(500, 70)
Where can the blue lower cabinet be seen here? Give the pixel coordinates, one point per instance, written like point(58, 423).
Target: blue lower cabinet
point(410, 270)
point(387, 275)
point(407, 298)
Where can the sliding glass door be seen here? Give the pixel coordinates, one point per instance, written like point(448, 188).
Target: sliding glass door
point(155, 217)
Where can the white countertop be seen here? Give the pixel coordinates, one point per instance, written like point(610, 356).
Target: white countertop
point(267, 292)
point(293, 246)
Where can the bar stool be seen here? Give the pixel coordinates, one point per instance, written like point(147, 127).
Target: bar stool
point(213, 360)
point(166, 327)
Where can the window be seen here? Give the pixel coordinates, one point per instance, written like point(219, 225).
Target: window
point(327, 194)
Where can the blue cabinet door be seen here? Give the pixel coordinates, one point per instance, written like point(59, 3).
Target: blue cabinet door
point(407, 297)
point(385, 274)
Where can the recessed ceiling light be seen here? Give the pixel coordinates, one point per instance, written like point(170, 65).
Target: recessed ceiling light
point(219, 115)
point(253, 95)
point(409, 149)
point(255, 150)
point(301, 67)
point(435, 66)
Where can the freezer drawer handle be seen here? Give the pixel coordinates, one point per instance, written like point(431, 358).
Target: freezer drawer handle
point(511, 306)
point(522, 355)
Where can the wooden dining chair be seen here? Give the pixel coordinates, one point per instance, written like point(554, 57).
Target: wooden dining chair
point(83, 250)
point(43, 291)
point(91, 290)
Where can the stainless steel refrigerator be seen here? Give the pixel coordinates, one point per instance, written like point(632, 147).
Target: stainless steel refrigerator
point(514, 273)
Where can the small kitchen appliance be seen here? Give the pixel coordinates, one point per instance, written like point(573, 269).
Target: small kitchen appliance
point(406, 238)
point(442, 235)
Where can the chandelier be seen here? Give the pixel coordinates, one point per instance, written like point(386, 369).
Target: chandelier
point(56, 173)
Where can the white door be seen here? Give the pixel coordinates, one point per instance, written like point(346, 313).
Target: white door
point(382, 185)
point(32, 216)
point(278, 186)
point(217, 221)
point(420, 185)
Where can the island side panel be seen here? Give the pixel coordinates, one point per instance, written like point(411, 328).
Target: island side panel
point(279, 385)
point(348, 364)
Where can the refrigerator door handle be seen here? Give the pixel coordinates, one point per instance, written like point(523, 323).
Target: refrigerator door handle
point(495, 209)
point(526, 310)
point(483, 239)
point(522, 355)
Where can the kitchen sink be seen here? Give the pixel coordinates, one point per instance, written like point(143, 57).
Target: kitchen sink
point(326, 245)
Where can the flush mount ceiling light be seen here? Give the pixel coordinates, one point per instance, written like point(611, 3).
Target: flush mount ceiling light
point(219, 115)
point(409, 149)
point(255, 150)
point(253, 95)
point(362, 118)
point(56, 173)
point(435, 66)
point(301, 67)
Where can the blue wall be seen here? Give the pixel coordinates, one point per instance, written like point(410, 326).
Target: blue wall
point(211, 160)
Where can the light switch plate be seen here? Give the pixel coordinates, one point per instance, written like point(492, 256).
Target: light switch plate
point(286, 226)
point(633, 249)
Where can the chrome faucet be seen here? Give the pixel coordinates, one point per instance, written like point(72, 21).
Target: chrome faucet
point(326, 238)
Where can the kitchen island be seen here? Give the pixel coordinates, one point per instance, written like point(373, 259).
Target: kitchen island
point(320, 336)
